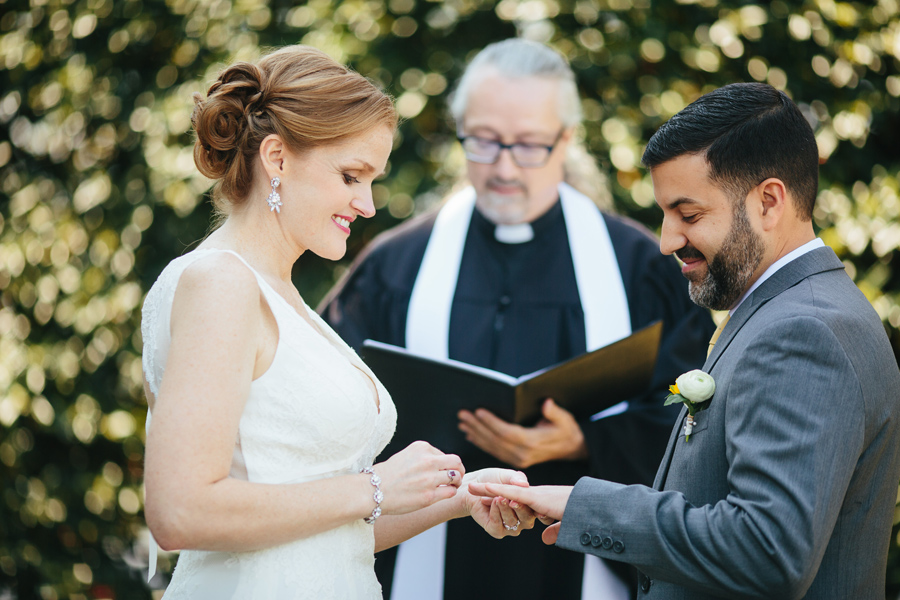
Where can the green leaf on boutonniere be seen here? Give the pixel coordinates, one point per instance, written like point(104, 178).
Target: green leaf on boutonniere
point(700, 386)
point(675, 398)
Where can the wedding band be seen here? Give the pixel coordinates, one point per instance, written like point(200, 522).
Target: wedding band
point(513, 527)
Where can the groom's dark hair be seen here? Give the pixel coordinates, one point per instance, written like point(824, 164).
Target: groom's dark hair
point(748, 132)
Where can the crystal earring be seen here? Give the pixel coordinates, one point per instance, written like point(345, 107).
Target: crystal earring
point(274, 199)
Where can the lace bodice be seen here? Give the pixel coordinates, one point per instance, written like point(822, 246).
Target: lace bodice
point(310, 415)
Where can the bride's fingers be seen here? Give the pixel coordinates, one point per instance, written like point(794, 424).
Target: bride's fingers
point(427, 456)
point(450, 461)
point(524, 514)
point(452, 477)
point(496, 519)
point(444, 492)
point(511, 521)
point(451, 464)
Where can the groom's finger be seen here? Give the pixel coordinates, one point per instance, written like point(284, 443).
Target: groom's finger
point(513, 492)
point(479, 489)
point(547, 500)
point(550, 534)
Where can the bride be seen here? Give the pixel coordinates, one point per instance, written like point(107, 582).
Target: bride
point(264, 423)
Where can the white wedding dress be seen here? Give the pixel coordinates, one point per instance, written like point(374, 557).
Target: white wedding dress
point(311, 415)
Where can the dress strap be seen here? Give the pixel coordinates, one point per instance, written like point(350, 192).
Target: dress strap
point(276, 301)
point(263, 284)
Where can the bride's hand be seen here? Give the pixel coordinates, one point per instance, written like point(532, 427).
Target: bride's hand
point(498, 516)
point(418, 476)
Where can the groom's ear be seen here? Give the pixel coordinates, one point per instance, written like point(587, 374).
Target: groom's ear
point(768, 202)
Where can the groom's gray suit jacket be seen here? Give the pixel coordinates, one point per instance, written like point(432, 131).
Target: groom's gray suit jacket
point(787, 486)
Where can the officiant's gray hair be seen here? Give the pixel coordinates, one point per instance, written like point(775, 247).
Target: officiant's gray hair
point(517, 57)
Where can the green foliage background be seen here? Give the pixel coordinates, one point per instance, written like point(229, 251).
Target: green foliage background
point(98, 192)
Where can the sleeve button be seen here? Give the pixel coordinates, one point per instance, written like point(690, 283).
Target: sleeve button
point(585, 539)
point(619, 547)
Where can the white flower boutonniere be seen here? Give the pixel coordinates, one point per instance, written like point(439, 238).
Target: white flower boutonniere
point(693, 388)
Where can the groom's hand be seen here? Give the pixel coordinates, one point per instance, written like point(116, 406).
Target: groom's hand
point(556, 437)
point(545, 501)
point(498, 516)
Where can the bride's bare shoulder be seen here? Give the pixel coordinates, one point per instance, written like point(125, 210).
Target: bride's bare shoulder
point(219, 282)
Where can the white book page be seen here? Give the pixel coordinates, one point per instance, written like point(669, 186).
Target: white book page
point(489, 373)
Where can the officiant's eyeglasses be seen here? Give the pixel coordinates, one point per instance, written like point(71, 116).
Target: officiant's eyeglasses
point(527, 156)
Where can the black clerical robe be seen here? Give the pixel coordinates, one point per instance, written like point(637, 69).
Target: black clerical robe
point(516, 310)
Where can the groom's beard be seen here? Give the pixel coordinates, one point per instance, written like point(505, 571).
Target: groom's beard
point(731, 268)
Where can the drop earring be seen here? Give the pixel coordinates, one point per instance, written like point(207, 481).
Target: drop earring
point(274, 199)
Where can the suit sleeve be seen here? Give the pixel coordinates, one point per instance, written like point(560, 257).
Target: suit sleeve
point(627, 448)
point(794, 430)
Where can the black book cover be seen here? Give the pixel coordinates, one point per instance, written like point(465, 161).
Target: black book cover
point(429, 393)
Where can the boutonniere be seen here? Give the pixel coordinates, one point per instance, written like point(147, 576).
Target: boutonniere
point(693, 388)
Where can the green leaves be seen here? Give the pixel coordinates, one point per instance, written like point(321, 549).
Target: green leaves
point(693, 407)
point(675, 399)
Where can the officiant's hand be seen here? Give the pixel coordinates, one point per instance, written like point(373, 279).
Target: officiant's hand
point(555, 437)
point(548, 502)
point(498, 516)
point(418, 476)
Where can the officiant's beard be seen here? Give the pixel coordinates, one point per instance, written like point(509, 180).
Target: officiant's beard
point(504, 209)
point(729, 272)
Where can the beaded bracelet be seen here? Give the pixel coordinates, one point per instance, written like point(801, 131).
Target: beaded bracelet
point(377, 496)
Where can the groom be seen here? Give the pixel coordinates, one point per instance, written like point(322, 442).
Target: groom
point(787, 485)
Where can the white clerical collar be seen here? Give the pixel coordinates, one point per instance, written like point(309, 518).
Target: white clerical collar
point(514, 234)
point(773, 268)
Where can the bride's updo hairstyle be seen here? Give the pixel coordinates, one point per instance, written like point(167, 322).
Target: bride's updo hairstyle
point(298, 93)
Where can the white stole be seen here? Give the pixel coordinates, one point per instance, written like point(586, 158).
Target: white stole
point(419, 571)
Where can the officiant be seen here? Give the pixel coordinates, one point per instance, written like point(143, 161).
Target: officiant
point(518, 271)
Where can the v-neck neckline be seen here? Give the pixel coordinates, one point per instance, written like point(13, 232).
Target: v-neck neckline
point(310, 321)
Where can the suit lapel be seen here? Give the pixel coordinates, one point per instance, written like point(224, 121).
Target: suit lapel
point(815, 261)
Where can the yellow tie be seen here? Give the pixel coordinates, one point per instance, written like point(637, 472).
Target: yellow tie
point(717, 333)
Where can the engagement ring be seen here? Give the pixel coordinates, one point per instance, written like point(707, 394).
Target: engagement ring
point(513, 527)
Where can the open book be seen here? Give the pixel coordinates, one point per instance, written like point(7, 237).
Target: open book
point(429, 392)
